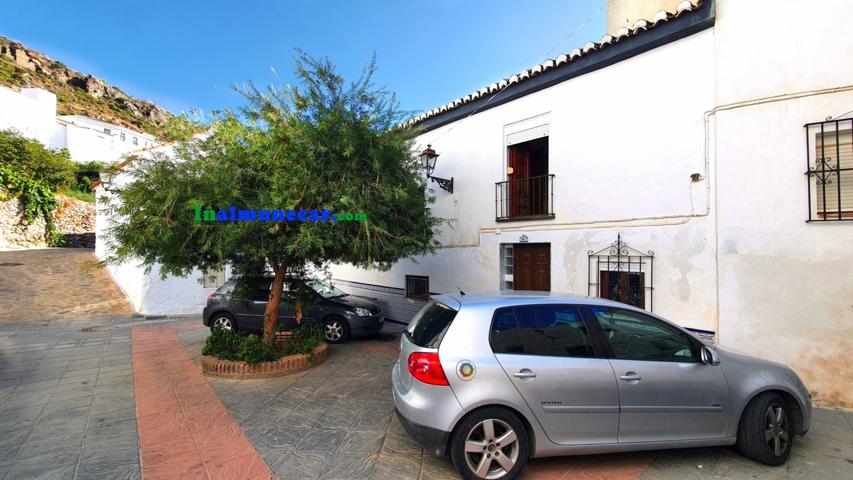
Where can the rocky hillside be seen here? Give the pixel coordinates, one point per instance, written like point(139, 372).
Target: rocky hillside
point(78, 93)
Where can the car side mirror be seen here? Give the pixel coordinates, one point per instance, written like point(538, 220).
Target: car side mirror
point(709, 356)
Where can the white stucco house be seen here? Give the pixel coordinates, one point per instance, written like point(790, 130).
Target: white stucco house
point(697, 163)
point(32, 113)
point(712, 142)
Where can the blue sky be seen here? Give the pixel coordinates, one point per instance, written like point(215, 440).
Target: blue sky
point(186, 54)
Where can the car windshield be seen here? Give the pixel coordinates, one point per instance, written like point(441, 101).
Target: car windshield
point(326, 290)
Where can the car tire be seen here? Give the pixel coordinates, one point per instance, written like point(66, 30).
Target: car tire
point(335, 329)
point(764, 433)
point(494, 461)
point(222, 319)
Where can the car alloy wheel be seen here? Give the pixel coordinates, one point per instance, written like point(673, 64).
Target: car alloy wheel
point(776, 429)
point(766, 432)
point(333, 330)
point(224, 322)
point(491, 449)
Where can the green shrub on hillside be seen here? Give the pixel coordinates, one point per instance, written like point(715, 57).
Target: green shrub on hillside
point(53, 168)
point(179, 128)
point(37, 199)
point(32, 160)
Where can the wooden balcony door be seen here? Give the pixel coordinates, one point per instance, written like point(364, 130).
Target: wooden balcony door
point(531, 266)
point(519, 161)
point(528, 186)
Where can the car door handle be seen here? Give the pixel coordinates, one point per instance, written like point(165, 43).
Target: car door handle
point(524, 373)
point(631, 377)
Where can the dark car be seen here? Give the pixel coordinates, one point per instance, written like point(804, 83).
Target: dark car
point(341, 315)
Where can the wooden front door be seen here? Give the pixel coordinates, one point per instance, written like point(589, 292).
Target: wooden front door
point(531, 266)
point(625, 287)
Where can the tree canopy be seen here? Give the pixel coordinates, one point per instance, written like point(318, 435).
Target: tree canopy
point(322, 144)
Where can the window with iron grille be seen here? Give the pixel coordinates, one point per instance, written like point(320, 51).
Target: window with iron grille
point(829, 171)
point(417, 286)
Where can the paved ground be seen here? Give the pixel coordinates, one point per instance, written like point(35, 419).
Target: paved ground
point(184, 430)
point(66, 401)
point(81, 398)
point(68, 409)
point(56, 283)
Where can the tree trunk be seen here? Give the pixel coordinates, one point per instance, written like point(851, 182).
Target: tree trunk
point(299, 314)
point(273, 305)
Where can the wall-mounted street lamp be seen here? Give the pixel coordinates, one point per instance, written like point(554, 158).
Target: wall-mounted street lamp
point(428, 158)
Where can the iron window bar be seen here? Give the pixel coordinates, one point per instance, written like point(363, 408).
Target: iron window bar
point(529, 198)
point(618, 257)
point(417, 286)
point(825, 171)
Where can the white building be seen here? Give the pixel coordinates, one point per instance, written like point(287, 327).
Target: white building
point(684, 138)
point(690, 139)
point(32, 113)
point(147, 293)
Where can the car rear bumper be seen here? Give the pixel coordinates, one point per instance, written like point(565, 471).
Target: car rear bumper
point(361, 326)
point(427, 412)
point(431, 439)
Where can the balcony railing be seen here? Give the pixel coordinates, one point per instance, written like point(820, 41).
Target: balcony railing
point(528, 198)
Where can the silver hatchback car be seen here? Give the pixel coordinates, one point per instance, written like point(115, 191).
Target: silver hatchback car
point(494, 379)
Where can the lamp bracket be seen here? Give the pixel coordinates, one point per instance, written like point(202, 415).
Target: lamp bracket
point(444, 183)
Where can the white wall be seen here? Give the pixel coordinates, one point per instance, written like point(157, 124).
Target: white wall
point(86, 139)
point(786, 286)
point(622, 152)
point(624, 141)
point(31, 112)
point(146, 291)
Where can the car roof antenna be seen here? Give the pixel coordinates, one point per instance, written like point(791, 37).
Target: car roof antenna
point(460, 290)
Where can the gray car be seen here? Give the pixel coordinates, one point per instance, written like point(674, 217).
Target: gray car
point(341, 315)
point(494, 379)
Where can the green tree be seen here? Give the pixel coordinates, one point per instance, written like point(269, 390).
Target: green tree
point(181, 127)
point(324, 144)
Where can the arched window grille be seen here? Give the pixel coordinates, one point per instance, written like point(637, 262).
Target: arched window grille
point(619, 272)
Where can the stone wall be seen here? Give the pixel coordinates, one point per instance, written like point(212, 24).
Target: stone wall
point(75, 219)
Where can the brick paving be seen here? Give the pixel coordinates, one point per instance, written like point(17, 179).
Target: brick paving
point(184, 430)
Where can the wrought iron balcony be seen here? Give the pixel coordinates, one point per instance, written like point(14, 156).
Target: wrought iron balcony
point(528, 198)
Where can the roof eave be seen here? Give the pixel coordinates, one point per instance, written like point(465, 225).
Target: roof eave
point(698, 20)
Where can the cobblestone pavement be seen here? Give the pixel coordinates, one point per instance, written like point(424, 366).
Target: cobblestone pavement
point(49, 284)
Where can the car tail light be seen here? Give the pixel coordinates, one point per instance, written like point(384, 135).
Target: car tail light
point(426, 367)
point(211, 296)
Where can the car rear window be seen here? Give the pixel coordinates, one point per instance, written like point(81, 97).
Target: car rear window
point(430, 324)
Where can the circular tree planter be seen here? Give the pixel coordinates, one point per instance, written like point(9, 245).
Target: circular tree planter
point(216, 367)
